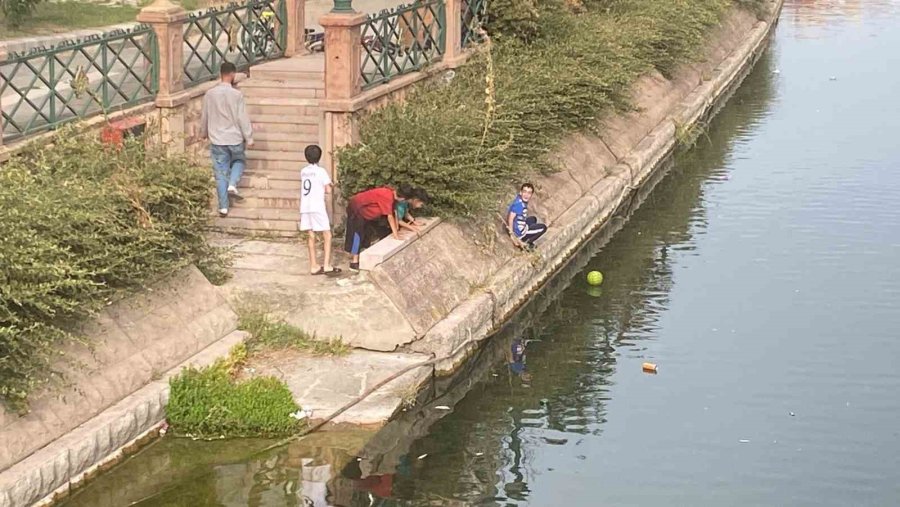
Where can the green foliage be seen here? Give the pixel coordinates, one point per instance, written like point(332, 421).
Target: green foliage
point(82, 222)
point(209, 403)
point(267, 333)
point(16, 11)
point(513, 18)
point(499, 119)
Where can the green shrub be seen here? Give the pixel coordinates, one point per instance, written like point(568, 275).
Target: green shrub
point(500, 118)
point(513, 18)
point(81, 223)
point(208, 403)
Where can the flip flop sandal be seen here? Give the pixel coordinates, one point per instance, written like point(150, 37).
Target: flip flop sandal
point(321, 271)
point(333, 272)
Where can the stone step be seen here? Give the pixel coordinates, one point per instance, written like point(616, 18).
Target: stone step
point(242, 211)
point(301, 130)
point(281, 101)
point(281, 93)
point(274, 113)
point(287, 75)
point(284, 228)
point(281, 119)
point(297, 143)
point(292, 174)
point(270, 180)
point(272, 198)
point(280, 84)
point(257, 165)
point(292, 155)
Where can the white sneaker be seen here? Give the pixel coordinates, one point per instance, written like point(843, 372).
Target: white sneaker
point(223, 212)
point(233, 192)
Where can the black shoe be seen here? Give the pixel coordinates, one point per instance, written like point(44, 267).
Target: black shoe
point(354, 266)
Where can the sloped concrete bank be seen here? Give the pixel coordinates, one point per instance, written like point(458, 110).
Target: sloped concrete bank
point(116, 388)
point(457, 285)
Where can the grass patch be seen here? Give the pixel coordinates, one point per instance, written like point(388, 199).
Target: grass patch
point(210, 403)
point(499, 120)
point(60, 17)
point(268, 333)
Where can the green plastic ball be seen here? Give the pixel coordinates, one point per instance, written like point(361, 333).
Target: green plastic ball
point(595, 278)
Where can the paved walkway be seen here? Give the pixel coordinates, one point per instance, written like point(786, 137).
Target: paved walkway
point(276, 274)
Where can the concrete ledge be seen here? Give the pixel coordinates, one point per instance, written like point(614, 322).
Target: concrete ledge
point(386, 248)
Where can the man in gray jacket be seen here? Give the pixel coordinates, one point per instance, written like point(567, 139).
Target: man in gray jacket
point(225, 122)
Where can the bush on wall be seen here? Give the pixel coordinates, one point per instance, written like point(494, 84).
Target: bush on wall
point(499, 119)
point(82, 222)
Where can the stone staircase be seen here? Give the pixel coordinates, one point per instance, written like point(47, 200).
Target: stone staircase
point(282, 100)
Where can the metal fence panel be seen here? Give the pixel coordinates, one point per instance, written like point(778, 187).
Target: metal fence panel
point(241, 33)
point(402, 40)
point(45, 88)
point(473, 15)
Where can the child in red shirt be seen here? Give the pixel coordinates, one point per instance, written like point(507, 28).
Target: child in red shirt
point(363, 211)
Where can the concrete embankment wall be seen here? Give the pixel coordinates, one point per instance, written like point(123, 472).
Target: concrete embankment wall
point(458, 283)
point(116, 388)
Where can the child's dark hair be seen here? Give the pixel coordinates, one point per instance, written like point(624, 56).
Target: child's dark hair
point(406, 191)
point(227, 68)
point(313, 153)
point(526, 185)
point(422, 195)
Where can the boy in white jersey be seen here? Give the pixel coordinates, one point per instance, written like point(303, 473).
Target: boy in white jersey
point(314, 184)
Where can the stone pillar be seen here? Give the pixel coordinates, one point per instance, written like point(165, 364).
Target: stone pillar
point(343, 31)
point(167, 20)
point(343, 82)
point(296, 25)
point(453, 32)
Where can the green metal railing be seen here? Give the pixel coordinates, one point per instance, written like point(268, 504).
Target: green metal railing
point(402, 40)
point(45, 88)
point(241, 33)
point(473, 14)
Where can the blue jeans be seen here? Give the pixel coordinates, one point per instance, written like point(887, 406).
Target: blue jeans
point(228, 166)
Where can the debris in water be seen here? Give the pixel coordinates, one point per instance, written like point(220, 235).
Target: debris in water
point(442, 407)
point(556, 441)
point(743, 441)
point(649, 367)
point(776, 71)
point(792, 414)
point(581, 457)
point(833, 78)
point(423, 456)
point(479, 454)
point(301, 414)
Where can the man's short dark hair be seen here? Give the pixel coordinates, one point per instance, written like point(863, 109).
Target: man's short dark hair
point(227, 68)
point(526, 185)
point(313, 153)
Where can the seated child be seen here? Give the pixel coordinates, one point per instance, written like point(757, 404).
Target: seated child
point(524, 228)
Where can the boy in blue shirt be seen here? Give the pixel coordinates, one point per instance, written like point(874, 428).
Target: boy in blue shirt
point(521, 226)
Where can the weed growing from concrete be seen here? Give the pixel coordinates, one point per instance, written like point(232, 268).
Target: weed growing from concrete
point(270, 333)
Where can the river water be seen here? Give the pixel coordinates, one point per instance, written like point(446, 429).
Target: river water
point(760, 275)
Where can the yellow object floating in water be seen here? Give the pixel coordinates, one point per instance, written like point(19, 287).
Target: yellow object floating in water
point(595, 278)
point(649, 367)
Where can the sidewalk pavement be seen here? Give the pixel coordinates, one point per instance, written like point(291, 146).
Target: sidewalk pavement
point(275, 273)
